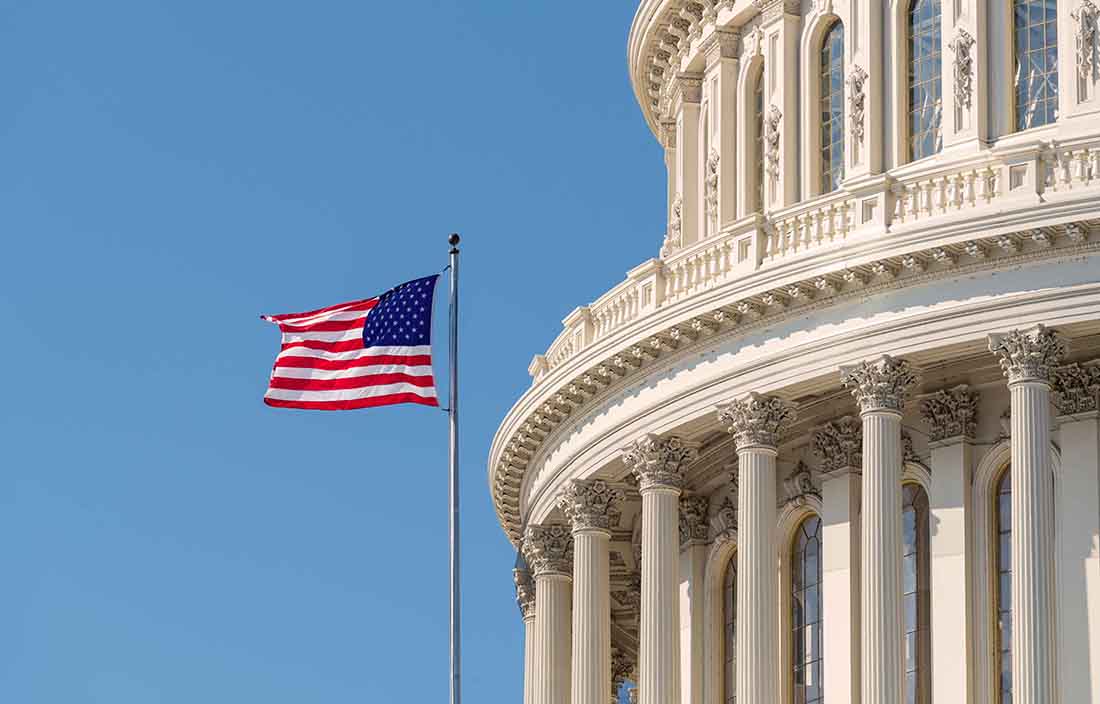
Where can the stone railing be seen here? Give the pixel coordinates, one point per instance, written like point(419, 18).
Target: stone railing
point(915, 199)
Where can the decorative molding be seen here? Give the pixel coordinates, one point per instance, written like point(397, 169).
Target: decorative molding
point(548, 549)
point(525, 592)
point(660, 462)
point(710, 185)
point(753, 44)
point(951, 413)
point(519, 449)
point(756, 421)
point(771, 10)
point(881, 385)
point(799, 486)
point(725, 518)
point(908, 451)
point(1076, 389)
point(693, 519)
point(631, 597)
point(962, 47)
point(590, 504)
point(1029, 355)
point(772, 126)
point(839, 445)
point(857, 100)
point(1087, 17)
point(674, 236)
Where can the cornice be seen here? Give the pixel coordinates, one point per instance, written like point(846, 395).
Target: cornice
point(551, 407)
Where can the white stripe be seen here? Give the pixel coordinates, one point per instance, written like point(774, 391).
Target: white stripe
point(300, 373)
point(355, 354)
point(338, 336)
point(349, 394)
point(331, 316)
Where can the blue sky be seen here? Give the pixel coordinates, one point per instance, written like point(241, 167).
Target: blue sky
point(170, 171)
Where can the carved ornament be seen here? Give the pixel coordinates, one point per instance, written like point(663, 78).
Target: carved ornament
point(756, 421)
point(1029, 355)
point(881, 385)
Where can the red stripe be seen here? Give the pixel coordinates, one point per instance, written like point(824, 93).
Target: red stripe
point(341, 346)
point(365, 304)
point(353, 404)
point(351, 382)
point(418, 360)
point(324, 326)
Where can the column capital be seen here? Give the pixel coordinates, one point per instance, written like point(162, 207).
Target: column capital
point(839, 445)
point(1076, 388)
point(660, 462)
point(525, 592)
point(771, 10)
point(548, 549)
point(1028, 355)
point(691, 87)
point(693, 519)
point(951, 413)
point(589, 504)
point(881, 385)
point(756, 421)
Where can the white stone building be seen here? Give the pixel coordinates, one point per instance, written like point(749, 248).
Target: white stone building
point(839, 442)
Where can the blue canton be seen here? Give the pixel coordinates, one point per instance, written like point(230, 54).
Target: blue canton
point(403, 316)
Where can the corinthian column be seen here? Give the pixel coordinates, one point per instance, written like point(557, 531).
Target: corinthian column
point(589, 505)
point(755, 422)
point(525, 599)
point(549, 552)
point(659, 465)
point(881, 387)
point(1028, 360)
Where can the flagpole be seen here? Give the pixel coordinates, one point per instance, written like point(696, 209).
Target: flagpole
point(456, 642)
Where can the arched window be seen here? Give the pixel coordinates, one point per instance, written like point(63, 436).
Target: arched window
point(1002, 512)
point(761, 146)
point(1036, 28)
point(925, 79)
point(729, 601)
point(832, 108)
point(806, 617)
point(916, 596)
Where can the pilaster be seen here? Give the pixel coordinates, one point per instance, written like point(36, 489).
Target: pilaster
point(1076, 391)
point(689, 172)
point(720, 178)
point(865, 78)
point(693, 558)
point(965, 72)
point(781, 22)
point(525, 599)
point(838, 447)
point(951, 418)
point(756, 423)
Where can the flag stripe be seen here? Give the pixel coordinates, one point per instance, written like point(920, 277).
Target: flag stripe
point(305, 373)
point(352, 404)
point(364, 304)
point(350, 382)
point(349, 394)
point(411, 361)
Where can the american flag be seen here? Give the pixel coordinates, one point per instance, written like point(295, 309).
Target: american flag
point(372, 352)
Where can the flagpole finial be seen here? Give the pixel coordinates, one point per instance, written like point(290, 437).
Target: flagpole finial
point(453, 240)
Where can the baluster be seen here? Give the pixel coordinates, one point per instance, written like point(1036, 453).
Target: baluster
point(968, 188)
point(898, 192)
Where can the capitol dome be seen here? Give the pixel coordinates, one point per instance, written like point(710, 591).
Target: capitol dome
point(838, 440)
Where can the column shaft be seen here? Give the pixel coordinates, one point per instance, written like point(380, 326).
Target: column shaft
point(757, 612)
point(1033, 679)
point(552, 633)
point(529, 659)
point(840, 590)
point(659, 638)
point(883, 667)
point(591, 617)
